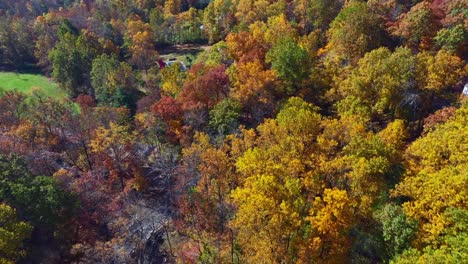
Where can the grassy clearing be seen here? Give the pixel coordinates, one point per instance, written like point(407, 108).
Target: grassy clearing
point(27, 83)
point(186, 53)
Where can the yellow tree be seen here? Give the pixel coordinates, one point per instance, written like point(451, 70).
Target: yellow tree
point(437, 177)
point(246, 47)
point(251, 80)
point(172, 7)
point(139, 38)
point(379, 81)
point(172, 79)
point(12, 235)
point(330, 219)
point(353, 159)
point(115, 142)
point(249, 11)
point(278, 28)
point(395, 134)
point(271, 202)
point(253, 87)
point(206, 207)
point(436, 73)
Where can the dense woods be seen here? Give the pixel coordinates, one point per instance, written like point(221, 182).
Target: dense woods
point(303, 131)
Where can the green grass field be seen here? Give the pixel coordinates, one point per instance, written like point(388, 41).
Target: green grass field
point(27, 83)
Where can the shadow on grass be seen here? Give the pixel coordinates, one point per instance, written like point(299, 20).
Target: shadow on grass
point(29, 68)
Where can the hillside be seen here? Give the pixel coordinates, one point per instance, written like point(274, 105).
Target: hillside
point(233, 131)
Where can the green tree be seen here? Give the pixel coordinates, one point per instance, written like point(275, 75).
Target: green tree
point(67, 27)
point(217, 54)
point(103, 68)
point(455, 31)
point(454, 248)
point(290, 61)
point(451, 38)
point(72, 58)
point(321, 12)
point(355, 31)
point(41, 200)
point(398, 230)
point(218, 19)
point(113, 82)
point(379, 82)
point(16, 41)
point(224, 117)
point(156, 21)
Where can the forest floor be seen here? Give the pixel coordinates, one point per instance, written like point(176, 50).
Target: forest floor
point(28, 82)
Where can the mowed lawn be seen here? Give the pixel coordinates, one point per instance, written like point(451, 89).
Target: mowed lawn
point(26, 83)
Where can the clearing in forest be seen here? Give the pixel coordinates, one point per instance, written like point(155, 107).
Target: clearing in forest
point(27, 83)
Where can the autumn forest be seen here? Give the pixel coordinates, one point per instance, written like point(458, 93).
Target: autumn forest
point(233, 131)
